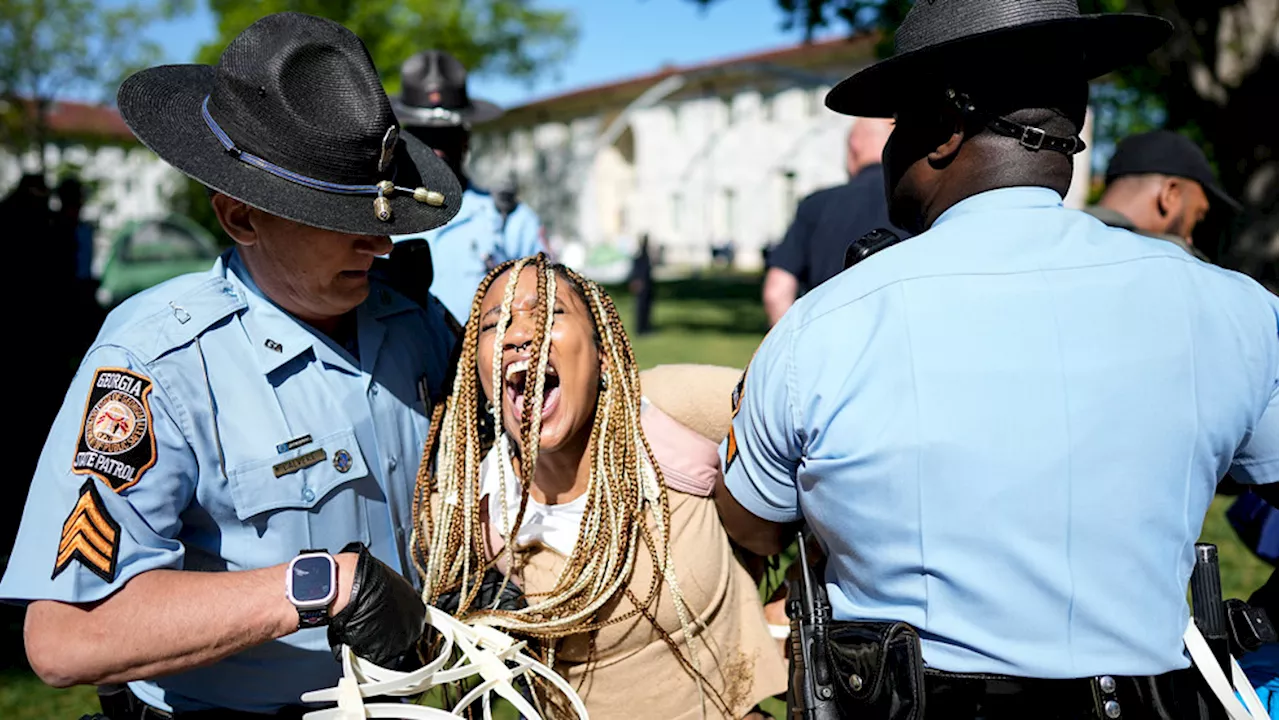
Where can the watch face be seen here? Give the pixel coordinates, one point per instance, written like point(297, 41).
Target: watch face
point(312, 579)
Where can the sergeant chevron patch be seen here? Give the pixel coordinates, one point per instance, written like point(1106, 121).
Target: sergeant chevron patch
point(731, 450)
point(117, 442)
point(89, 535)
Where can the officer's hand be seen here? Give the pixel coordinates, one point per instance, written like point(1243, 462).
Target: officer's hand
point(382, 620)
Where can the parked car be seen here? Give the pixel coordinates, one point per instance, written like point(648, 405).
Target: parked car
point(150, 251)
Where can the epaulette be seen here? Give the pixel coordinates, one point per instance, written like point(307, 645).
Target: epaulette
point(186, 315)
point(385, 299)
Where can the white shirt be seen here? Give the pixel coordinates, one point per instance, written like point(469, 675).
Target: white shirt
point(555, 526)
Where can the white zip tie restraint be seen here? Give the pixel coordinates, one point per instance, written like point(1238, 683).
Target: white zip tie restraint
point(490, 654)
point(1207, 664)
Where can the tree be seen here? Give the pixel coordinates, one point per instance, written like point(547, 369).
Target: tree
point(509, 37)
point(50, 49)
point(1215, 80)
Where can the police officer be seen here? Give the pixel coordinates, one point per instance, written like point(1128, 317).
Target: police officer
point(489, 230)
point(1006, 430)
point(1160, 183)
point(230, 432)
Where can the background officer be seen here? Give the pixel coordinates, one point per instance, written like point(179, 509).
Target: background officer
point(434, 106)
point(224, 422)
point(1160, 184)
point(827, 221)
point(1006, 431)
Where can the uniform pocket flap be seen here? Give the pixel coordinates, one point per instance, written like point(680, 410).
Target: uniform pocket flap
point(299, 478)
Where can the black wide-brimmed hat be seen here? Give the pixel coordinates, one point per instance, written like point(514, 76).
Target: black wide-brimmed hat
point(434, 93)
point(293, 120)
point(941, 41)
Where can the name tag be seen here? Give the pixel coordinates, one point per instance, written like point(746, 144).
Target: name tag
point(298, 463)
point(293, 444)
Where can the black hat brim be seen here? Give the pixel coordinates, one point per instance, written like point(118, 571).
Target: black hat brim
point(1217, 194)
point(476, 112)
point(1087, 46)
point(162, 106)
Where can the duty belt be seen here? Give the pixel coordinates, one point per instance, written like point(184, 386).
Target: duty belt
point(1170, 696)
point(119, 703)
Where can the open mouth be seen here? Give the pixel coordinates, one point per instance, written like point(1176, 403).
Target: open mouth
point(518, 381)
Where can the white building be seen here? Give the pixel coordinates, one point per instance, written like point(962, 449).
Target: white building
point(696, 157)
point(126, 180)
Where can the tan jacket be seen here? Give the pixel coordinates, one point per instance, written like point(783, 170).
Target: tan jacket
point(634, 673)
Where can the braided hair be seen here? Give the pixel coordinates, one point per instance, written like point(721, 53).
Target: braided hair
point(626, 497)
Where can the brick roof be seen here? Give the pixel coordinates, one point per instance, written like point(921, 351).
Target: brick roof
point(81, 121)
point(848, 52)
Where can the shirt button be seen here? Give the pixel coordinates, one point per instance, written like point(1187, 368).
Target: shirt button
point(308, 494)
point(373, 390)
point(391, 464)
point(400, 534)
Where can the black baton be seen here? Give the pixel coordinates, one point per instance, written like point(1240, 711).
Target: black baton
point(1207, 607)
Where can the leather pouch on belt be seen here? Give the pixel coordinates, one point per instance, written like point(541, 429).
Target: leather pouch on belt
point(878, 669)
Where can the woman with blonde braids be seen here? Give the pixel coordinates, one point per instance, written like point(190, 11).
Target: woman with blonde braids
point(595, 503)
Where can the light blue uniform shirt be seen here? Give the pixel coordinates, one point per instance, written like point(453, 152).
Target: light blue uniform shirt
point(219, 380)
point(474, 242)
point(1007, 430)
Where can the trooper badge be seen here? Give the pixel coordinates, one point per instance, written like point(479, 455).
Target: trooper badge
point(117, 440)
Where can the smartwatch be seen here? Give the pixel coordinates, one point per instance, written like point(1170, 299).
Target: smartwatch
point(312, 585)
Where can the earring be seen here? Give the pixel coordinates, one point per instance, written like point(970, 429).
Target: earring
point(488, 406)
point(604, 380)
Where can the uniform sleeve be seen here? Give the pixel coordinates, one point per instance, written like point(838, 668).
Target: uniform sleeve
point(1257, 460)
point(112, 481)
point(763, 449)
point(523, 235)
point(791, 254)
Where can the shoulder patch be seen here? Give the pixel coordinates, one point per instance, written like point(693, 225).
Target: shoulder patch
point(117, 440)
point(89, 535)
point(731, 449)
point(736, 398)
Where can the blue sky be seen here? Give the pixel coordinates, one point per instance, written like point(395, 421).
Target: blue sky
point(617, 39)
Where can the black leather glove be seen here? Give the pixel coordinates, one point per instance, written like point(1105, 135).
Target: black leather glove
point(383, 620)
point(512, 597)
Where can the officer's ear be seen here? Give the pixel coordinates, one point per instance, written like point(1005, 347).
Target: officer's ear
point(951, 135)
point(235, 218)
point(1169, 197)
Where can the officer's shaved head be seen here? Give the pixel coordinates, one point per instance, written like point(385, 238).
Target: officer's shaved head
point(941, 153)
point(867, 138)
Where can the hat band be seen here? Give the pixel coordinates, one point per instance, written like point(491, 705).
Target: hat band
point(379, 190)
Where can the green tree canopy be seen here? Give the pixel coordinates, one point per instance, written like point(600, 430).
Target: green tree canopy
point(507, 37)
point(52, 49)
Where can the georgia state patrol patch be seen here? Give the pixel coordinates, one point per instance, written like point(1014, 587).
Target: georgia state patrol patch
point(117, 440)
point(89, 535)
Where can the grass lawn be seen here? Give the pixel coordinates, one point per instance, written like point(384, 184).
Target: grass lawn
point(715, 320)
